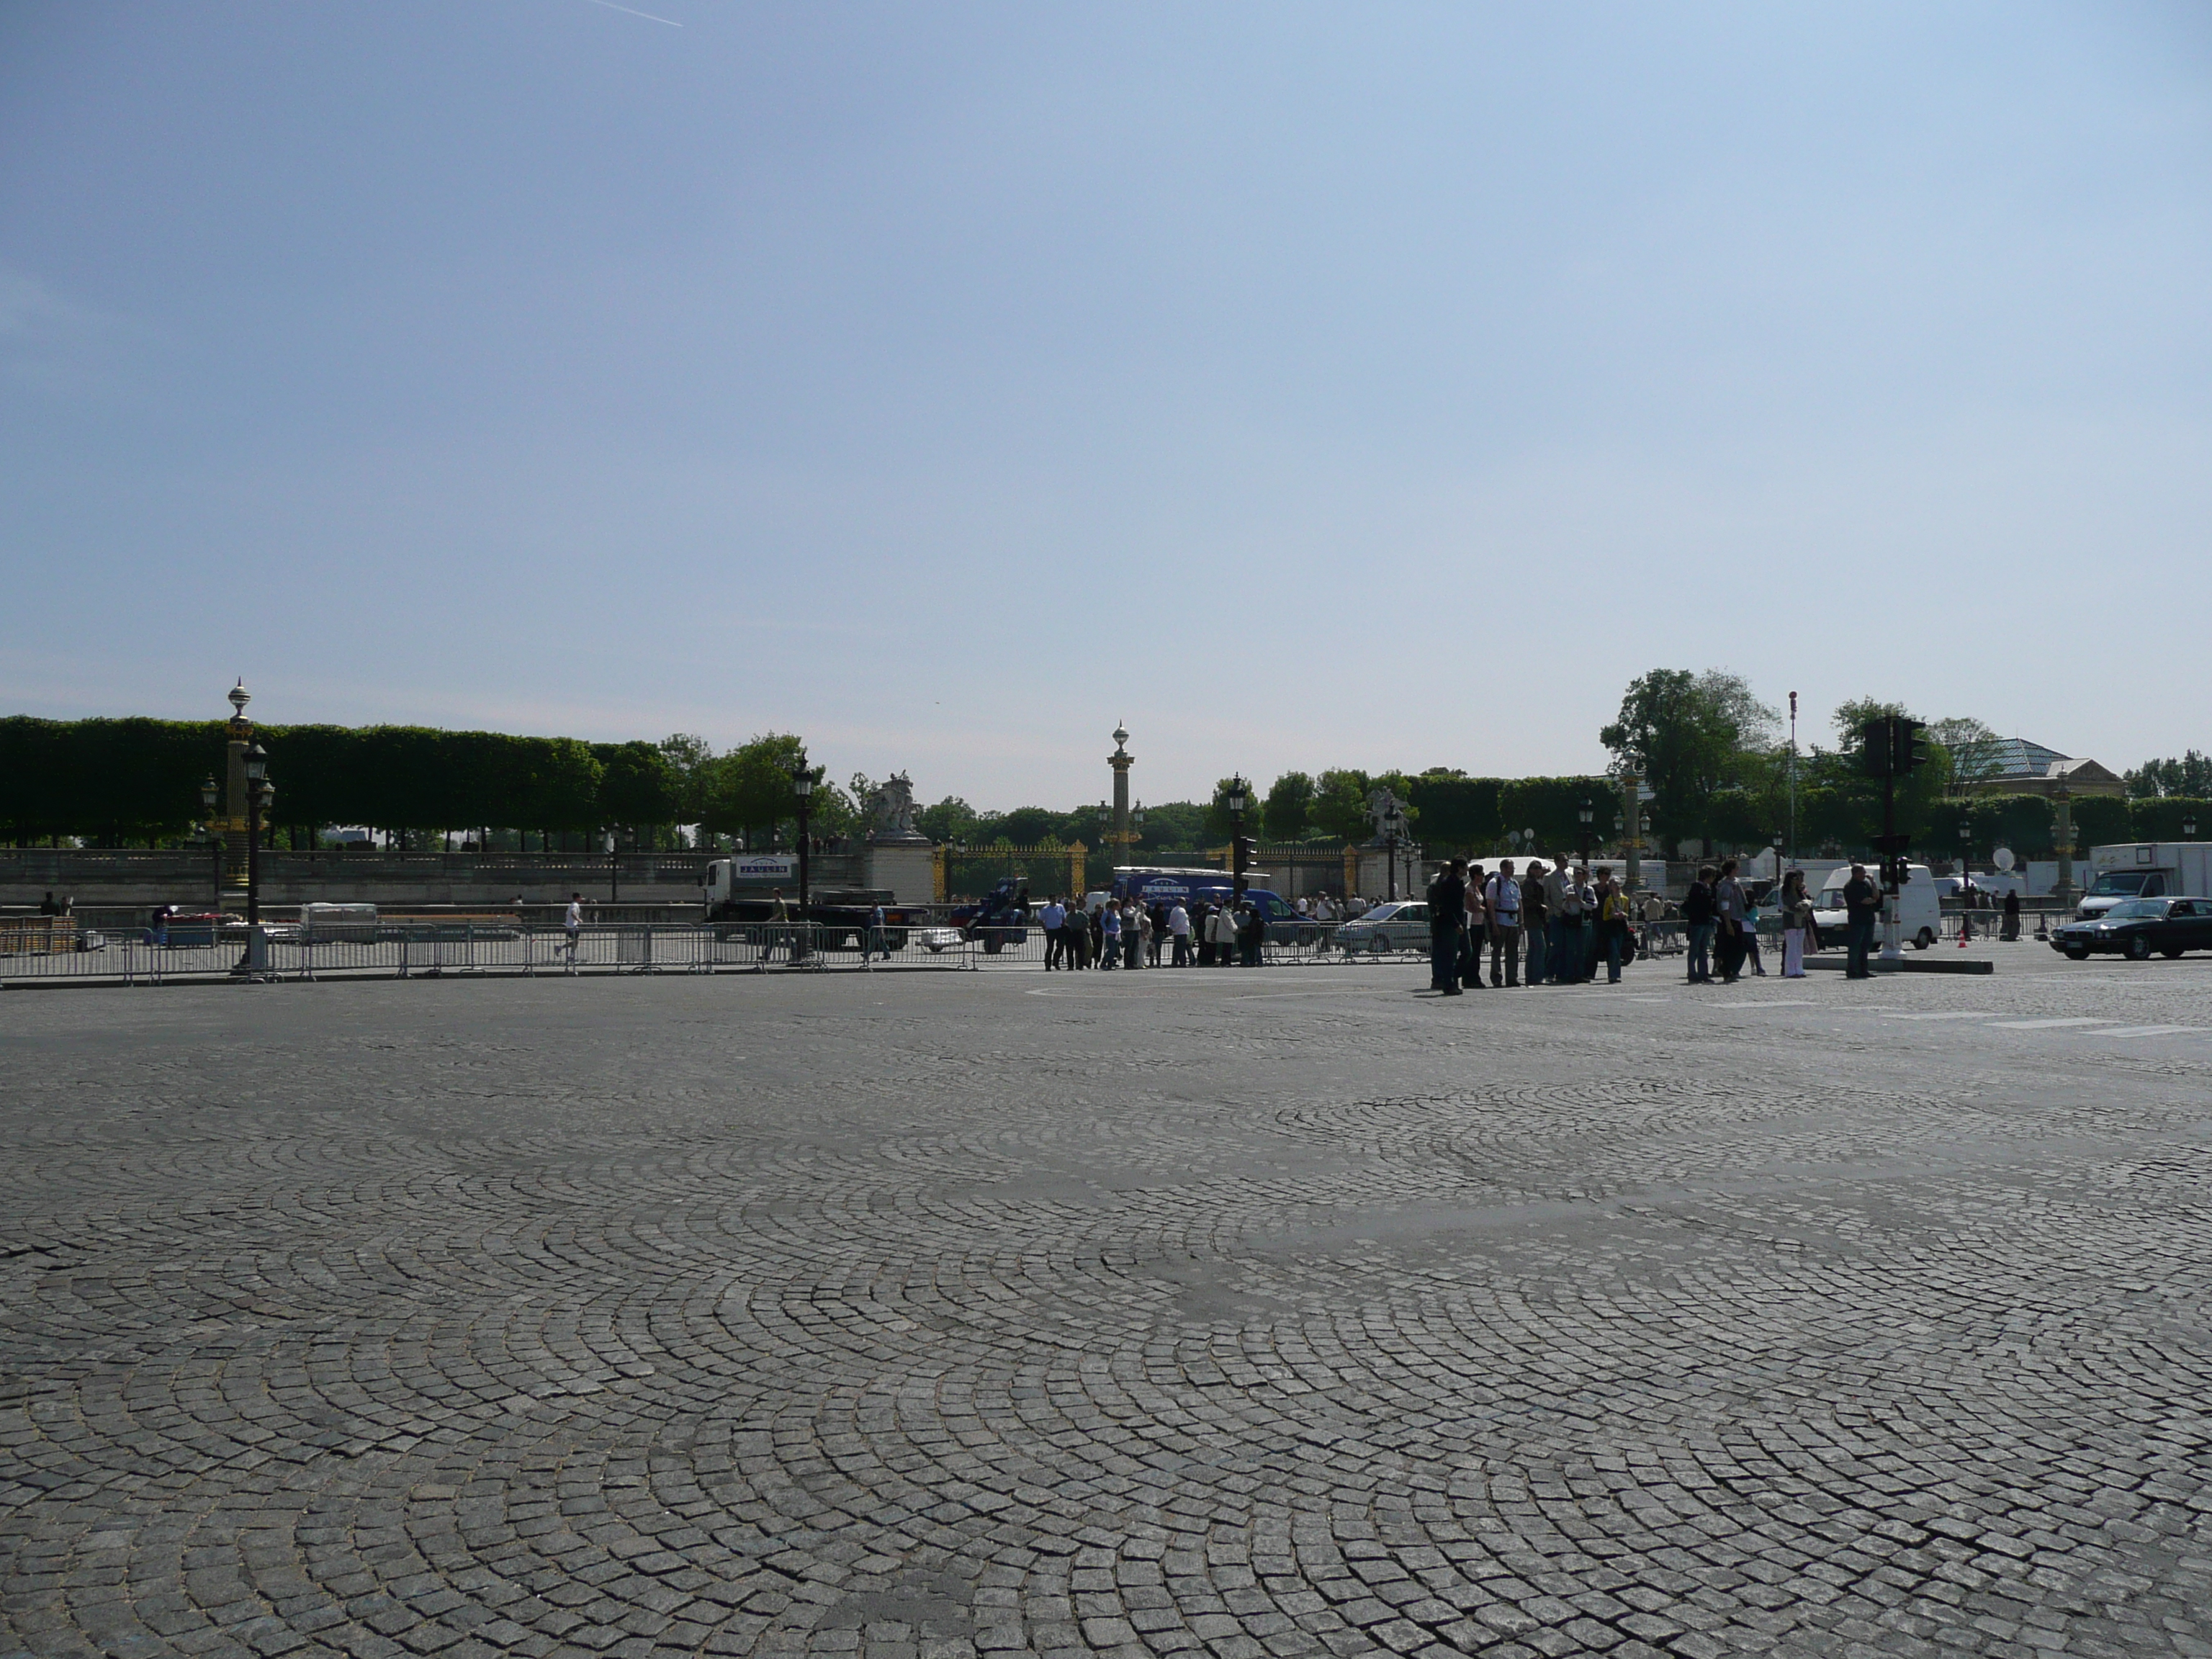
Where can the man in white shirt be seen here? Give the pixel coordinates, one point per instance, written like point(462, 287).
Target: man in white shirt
point(572, 924)
point(1179, 931)
point(1504, 894)
point(1052, 919)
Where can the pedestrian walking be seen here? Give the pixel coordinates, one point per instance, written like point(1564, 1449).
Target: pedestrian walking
point(1751, 937)
point(1136, 932)
point(1534, 918)
point(1179, 931)
point(1503, 898)
point(1796, 924)
point(1862, 905)
point(1050, 921)
point(1110, 935)
point(1698, 913)
point(877, 940)
point(1447, 897)
point(572, 924)
point(2010, 930)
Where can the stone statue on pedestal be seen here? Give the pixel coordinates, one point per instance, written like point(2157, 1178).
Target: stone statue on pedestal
point(892, 813)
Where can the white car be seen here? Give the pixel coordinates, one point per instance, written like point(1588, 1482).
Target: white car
point(1919, 911)
point(1401, 926)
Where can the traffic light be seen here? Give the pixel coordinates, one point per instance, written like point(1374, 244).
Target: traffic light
point(1876, 739)
point(1909, 748)
point(1247, 853)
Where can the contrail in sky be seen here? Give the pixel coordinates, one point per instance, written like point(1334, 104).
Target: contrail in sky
point(649, 16)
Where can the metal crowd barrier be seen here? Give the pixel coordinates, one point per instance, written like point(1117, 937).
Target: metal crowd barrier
point(439, 950)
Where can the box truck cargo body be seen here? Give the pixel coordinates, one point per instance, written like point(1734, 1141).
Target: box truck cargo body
point(2145, 869)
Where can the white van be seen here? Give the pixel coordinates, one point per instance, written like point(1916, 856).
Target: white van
point(1920, 912)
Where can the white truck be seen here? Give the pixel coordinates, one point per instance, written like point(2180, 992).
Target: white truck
point(1920, 912)
point(2144, 869)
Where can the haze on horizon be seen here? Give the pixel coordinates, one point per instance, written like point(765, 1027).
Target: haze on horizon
point(1303, 385)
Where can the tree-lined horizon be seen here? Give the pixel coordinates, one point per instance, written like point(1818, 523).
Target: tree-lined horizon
point(1716, 757)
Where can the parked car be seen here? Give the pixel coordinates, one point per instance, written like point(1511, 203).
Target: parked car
point(1402, 925)
point(2135, 927)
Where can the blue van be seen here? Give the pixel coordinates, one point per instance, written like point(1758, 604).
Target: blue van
point(1161, 885)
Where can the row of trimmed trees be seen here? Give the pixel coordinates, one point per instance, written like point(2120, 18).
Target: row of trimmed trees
point(124, 781)
point(1718, 774)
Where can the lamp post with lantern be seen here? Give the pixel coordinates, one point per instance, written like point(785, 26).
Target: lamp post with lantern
point(211, 827)
point(1237, 800)
point(802, 787)
point(1965, 881)
point(260, 794)
point(1393, 824)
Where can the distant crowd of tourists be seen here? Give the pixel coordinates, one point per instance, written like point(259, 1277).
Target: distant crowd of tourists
point(1554, 925)
point(1125, 933)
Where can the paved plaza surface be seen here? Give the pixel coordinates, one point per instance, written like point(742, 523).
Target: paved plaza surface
point(1292, 1312)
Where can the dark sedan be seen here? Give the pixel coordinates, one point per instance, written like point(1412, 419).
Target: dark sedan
point(2137, 927)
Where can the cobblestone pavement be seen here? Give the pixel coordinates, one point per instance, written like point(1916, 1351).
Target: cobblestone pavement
point(1289, 1313)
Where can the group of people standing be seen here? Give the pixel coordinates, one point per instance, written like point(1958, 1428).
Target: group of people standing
point(1125, 933)
point(1721, 921)
point(1544, 926)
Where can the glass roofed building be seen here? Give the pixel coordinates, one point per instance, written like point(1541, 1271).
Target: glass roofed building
point(2013, 766)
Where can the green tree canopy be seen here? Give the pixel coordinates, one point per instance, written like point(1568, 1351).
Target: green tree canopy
point(636, 786)
point(1290, 807)
point(1458, 814)
point(2191, 775)
point(749, 791)
point(951, 820)
point(1688, 734)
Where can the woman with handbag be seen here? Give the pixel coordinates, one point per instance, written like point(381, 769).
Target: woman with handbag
point(1797, 929)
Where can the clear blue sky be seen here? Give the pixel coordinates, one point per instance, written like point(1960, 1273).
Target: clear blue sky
point(1305, 385)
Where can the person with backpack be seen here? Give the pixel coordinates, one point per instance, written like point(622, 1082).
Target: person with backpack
point(1501, 896)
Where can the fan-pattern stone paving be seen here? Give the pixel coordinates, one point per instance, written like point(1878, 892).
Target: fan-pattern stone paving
point(924, 1317)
